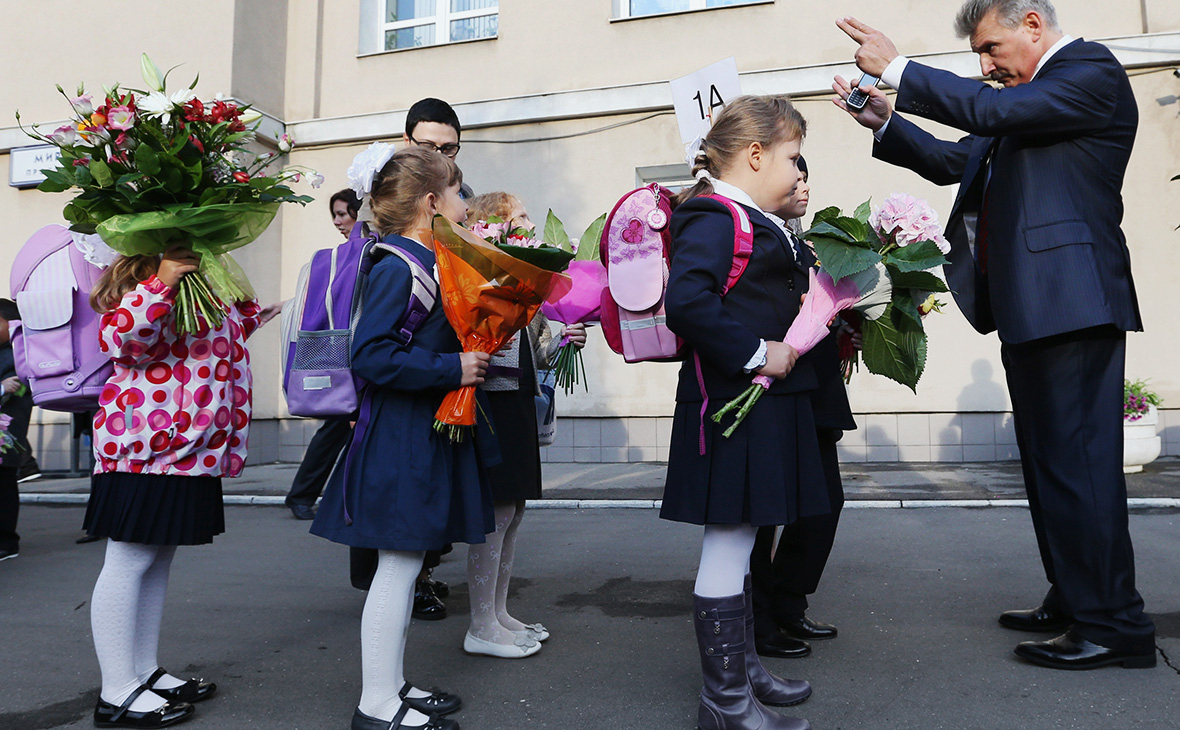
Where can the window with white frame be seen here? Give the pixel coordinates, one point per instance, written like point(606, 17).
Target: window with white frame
point(639, 8)
point(414, 23)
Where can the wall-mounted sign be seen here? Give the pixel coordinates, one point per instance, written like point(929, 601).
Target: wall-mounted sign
point(26, 164)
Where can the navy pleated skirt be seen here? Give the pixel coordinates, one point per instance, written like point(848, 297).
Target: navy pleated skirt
point(769, 472)
point(155, 509)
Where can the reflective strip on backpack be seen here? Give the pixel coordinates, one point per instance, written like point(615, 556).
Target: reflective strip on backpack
point(658, 320)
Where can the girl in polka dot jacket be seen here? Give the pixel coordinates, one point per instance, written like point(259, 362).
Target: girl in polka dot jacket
point(172, 420)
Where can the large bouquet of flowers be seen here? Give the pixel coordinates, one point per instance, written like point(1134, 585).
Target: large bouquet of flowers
point(880, 264)
point(156, 170)
point(488, 295)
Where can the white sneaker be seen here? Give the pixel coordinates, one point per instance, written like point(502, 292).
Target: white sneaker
point(523, 646)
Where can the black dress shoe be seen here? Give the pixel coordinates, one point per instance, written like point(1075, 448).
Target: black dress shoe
point(441, 589)
point(782, 645)
point(427, 605)
point(805, 628)
point(361, 721)
point(109, 715)
point(1070, 651)
point(1035, 619)
point(438, 703)
point(193, 690)
point(302, 511)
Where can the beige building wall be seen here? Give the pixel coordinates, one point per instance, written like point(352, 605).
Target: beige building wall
point(566, 108)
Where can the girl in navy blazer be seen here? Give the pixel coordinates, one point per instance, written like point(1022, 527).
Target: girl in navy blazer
point(769, 472)
point(405, 488)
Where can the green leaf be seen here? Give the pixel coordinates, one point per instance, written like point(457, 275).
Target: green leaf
point(591, 239)
point(827, 214)
point(897, 355)
point(545, 257)
point(923, 280)
point(903, 306)
point(554, 233)
point(147, 160)
point(830, 230)
point(916, 257)
point(102, 173)
point(841, 259)
point(863, 211)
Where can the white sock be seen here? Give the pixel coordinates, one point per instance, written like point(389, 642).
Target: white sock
point(507, 556)
point(114, 610)
point(483, 572)
point(153, 589)
point(385, 623)
point(725, 560)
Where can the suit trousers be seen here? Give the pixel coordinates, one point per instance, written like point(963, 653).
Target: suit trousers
point(1067, 399)
point(321, 457)
point(781, 584)
point(9, 509)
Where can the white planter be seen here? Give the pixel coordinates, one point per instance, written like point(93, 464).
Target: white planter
point(1141, 444)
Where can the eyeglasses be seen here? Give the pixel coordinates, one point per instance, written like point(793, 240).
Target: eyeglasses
point(450, 150)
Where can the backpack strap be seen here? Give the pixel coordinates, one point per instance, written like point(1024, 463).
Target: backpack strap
point(423, 290)
point(743, 240)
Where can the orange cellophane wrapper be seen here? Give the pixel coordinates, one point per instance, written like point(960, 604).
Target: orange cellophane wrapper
point(487, 296)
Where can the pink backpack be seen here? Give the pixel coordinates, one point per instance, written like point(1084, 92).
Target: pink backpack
point(55, 342)
point(635, 250)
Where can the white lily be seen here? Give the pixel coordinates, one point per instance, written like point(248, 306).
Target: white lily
point(158, 104)
point(151, 73)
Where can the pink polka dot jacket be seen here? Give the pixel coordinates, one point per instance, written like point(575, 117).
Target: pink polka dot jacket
point(176, 404)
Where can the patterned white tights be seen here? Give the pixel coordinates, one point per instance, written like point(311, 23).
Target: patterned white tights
point(489, 571)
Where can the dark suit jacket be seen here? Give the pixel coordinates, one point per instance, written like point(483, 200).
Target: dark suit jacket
point(725, 330)
point(1059, 145)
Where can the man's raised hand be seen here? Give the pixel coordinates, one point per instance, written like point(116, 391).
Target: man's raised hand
point(876, 50)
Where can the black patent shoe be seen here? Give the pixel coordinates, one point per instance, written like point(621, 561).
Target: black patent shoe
point(361, 721)
point(427, 605)
point(438, 703)
point(1035, 619)
point(1070, 651)
point(194, 690)
point(808, 630)
point(440, 588)
point(171, 713)
point(782, 645)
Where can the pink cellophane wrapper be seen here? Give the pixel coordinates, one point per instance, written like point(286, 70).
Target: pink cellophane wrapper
point(583, 303)
point(825, 299)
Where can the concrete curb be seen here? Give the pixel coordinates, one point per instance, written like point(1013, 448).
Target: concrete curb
point(588, 504)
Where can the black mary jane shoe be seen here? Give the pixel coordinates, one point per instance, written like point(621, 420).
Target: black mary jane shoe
point(361, 721)
point(438, 703)
point(194, 690)
point(109, 715)
point(427, 605)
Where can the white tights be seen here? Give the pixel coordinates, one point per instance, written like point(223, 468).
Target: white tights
point(385, 622)
point(125, 614)
point(725, 560)
point(489, 571)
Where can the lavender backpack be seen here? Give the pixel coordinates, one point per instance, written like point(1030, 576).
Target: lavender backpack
point(55, 343)
point(319, 323)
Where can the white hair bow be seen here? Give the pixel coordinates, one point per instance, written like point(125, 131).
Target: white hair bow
point(365, 165)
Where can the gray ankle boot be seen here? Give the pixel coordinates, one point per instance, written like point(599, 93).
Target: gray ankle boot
point(768, 688)
point(727, 700)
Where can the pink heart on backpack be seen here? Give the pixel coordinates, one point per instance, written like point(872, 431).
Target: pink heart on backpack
point(633, 233)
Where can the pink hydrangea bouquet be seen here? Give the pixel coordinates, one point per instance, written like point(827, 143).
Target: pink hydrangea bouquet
point(583, 303)
point(156, 169)
point(882, 265)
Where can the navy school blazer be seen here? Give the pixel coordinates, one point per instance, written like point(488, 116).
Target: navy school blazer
point(725, 330)
point(1059, 145)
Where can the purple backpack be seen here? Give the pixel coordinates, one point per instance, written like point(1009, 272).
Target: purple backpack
point(319, 322)
point(55, 342)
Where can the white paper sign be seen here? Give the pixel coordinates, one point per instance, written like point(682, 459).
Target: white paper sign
point(26, 164)
point(699, 96)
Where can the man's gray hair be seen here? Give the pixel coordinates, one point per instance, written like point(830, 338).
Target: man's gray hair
point(1010, 13)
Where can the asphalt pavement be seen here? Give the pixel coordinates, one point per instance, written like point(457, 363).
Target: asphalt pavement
point(267, 612)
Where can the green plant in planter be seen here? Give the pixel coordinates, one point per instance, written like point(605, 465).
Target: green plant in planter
point(1137, 399)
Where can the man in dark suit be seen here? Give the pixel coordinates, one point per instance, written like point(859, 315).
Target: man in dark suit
point(1037, 255)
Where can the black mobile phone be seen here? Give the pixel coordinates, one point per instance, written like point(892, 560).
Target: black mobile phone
point(857, 99)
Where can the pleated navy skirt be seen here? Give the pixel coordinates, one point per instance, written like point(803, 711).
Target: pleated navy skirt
point(155, 509)
point(769, 472)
